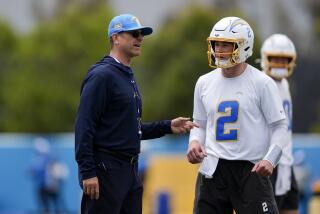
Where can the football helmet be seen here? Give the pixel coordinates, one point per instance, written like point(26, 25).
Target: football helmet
point(233, 30)
point(278, 45)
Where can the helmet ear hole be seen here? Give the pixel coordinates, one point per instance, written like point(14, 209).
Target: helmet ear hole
point(212, 45)
point(213, 58)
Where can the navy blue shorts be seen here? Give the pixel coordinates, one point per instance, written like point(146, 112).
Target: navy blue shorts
point(234, 187)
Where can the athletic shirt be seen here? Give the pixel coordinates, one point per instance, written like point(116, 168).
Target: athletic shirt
point(237, 112)
point(285, 95)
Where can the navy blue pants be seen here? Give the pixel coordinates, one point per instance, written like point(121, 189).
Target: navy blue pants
point(120, 189)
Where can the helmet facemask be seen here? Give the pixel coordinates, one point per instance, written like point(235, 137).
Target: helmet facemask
point(214, 57)
point(278, 47)
point(279, 70)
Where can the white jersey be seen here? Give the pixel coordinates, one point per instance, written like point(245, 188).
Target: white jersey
point(237, 112)
point(285, 95)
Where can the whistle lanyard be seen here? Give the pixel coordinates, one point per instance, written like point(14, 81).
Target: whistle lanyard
point(137, 97)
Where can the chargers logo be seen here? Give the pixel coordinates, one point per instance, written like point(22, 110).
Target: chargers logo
point(236, 23)
point(117, 26)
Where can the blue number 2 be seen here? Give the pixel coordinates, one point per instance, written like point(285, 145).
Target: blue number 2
point(231, 117)
point(287, 108)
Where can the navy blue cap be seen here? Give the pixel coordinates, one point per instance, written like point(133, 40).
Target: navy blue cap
point(127, 22)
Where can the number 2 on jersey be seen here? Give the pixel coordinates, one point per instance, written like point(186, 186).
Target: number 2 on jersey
point(287, 108)
point(230, 117)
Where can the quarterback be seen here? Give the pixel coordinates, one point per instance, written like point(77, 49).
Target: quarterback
point(278, 57)
point(241, 127)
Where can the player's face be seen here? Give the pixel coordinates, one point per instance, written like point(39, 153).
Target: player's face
point(130, 42)
point(278, 67)
point(223, 50)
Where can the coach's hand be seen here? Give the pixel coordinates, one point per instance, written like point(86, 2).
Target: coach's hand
point(182, 125)
point(263, 168)
point(91, 187)
point(196, 152)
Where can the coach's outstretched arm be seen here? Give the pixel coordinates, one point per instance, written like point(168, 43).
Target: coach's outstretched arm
point(180, 125)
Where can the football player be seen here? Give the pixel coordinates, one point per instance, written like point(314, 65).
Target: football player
point(278, 57)
point(241, 127)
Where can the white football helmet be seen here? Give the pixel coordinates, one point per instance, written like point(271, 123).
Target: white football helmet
point(236, 31)
point(278, 45)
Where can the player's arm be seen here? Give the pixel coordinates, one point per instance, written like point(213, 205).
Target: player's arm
point(278, 142)
point(273, 111)
point(196, 151)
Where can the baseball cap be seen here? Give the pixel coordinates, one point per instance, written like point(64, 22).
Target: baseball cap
point(127, 22)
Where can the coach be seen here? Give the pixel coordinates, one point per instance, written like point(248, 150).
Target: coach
point(108, 126)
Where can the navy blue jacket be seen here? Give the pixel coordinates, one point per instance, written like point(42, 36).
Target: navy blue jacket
point(108, 115)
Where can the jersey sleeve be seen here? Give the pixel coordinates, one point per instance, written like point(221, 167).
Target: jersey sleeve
point(199, 112)
point(198, 133)
point(288, 108)
point(271, 104)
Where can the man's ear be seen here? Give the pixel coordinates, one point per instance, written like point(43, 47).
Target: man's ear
point(115, 40)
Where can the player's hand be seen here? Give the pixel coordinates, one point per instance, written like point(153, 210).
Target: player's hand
point(182, 125)
point(196, 152)
point(91, 187)
point(263, 168)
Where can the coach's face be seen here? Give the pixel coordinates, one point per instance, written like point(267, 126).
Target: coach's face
point(130, 42)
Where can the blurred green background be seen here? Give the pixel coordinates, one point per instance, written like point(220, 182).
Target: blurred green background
point(42, 67)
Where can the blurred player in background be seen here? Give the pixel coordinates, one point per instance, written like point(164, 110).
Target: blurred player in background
point(241, 127)
point(278, 57)
point(48, 174)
